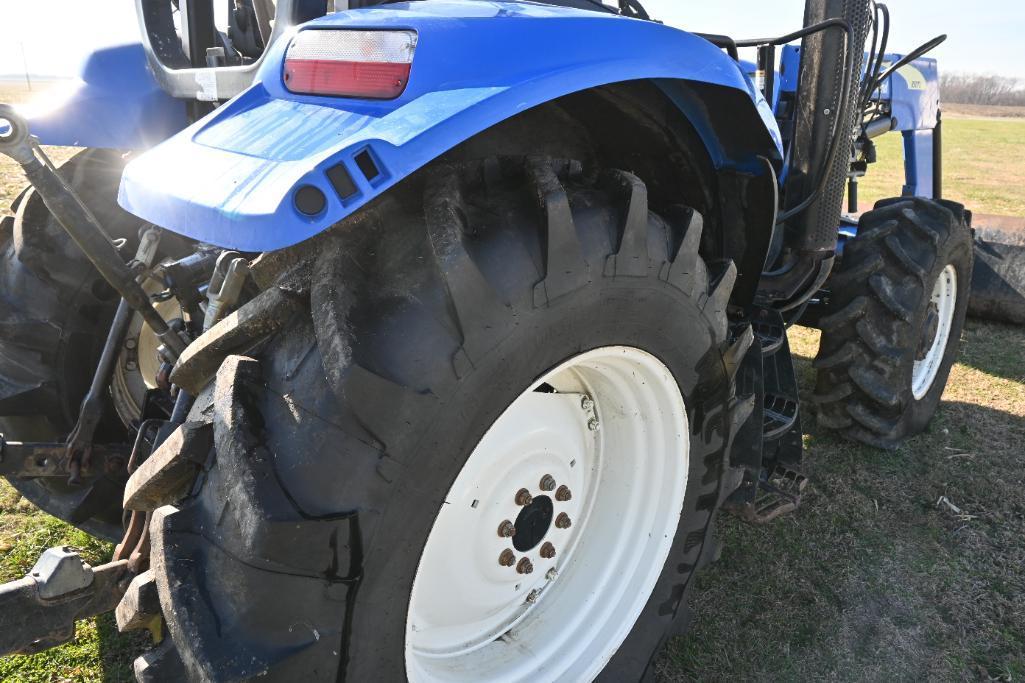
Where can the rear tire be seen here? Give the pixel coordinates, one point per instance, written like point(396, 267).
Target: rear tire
point(892, 330)
point(55, 311)
point(296, 556)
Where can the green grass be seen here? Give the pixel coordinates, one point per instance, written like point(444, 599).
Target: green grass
point(982, 166)
point(870, 580)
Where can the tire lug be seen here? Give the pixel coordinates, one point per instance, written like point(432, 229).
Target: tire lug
point(506, 529)
point(524, 566)
point(548, 551)
point(507, 558)
point(563, 494)
point(523, 497)
point(563, 521)
point(547, 483)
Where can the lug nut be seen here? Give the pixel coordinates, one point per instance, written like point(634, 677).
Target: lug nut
point(547, 483)
point(551, 574)
point(507, 558)
point(506, 529)
point(532, 596)
point(524, 566)
point(523, 497)
point(563, 494)
point(548, 551)
point(563, 521)
point(586, 403)
point(593, 424)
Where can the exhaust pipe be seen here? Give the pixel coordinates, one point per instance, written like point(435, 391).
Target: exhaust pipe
point(827, 110)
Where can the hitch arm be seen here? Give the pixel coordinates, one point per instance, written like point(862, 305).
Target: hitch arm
point(39, 611)
point(81, 225)
point(30, 460)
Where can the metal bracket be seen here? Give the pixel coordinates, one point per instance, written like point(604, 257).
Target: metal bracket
point(40, 610)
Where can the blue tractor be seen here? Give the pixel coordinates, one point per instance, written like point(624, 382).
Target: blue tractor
point(425, 340)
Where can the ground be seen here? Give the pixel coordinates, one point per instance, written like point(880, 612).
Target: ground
point(874, 578)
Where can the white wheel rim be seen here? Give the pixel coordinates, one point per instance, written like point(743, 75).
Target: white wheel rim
point(944, 296)
point(471, 618)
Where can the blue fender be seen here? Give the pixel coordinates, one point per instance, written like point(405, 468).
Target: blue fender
point(230, 178)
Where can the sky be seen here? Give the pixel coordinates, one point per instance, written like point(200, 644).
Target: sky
point(986, 36)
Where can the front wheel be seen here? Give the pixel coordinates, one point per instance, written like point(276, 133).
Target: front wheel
point(898, 305)
point(493, 450)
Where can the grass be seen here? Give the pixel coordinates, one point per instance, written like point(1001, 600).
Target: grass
point(982, 165)
point(870, 580)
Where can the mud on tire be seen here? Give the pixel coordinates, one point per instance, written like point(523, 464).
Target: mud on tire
point(335, 442)
point(879, 318)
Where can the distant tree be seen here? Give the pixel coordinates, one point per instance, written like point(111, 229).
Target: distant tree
point(961, 88)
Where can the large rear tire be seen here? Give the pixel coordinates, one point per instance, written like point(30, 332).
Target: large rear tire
point(892, 332)
point(55, 311)
point(296, 555)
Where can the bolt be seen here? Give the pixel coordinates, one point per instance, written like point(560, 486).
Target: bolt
point(563, 494)
point(563, 521)
point(524, 566)
point(506, 529)
point(551, 574)
point(547, 483)
point(131, 365)
point(586, 403)
point(532, 596)
point(523, 497)
point(507, 558)
point(130, 343)
point(593, 424)
point(827, 112)
point(548, 551)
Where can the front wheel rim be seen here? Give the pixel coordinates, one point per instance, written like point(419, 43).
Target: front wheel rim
point(590, 465)
point(944, 297)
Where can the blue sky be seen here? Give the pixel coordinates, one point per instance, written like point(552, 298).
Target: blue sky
point(987, 36)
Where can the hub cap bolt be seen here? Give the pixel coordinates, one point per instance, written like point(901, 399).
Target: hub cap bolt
point(548, 551)
point(586, 403)
point(593, 424)
point(551, 574)
point(507, 558)
point(506, 529)
point(532, 597)
point(524, 566)
point(547, 483)
point(563, 521)
point(563, 494)
point(523, 497)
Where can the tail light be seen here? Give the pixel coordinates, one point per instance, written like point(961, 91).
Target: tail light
point(347, 63)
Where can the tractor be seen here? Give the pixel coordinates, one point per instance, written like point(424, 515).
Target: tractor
point(426, 340)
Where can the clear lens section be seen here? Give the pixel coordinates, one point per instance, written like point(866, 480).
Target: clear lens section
point(391, 47)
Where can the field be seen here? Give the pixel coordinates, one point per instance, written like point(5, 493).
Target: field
point(872, 579)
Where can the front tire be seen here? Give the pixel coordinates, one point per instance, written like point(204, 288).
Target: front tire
point(891, 334)
point(298, 555)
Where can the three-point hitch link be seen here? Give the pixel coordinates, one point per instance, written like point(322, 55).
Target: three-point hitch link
point(80, 224)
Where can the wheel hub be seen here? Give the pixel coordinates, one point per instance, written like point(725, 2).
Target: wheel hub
point(931, 327)
point(532, 523)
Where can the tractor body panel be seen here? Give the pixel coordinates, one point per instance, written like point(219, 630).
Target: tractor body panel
point(230, 178)
point(82, 87)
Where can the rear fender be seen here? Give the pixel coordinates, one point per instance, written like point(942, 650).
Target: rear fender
point(231, 178)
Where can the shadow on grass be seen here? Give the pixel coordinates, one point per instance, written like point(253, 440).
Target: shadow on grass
point(875, 578)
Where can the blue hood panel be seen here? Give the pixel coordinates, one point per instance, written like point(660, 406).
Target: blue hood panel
point(230, 178)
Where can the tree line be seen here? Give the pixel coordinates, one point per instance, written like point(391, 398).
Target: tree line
point(962, 88)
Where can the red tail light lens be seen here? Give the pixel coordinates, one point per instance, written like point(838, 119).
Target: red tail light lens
point(346, 63)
